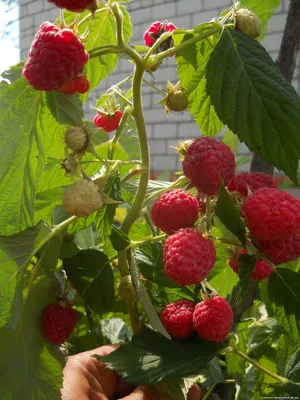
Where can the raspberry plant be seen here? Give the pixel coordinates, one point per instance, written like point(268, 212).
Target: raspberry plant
point(109, 264)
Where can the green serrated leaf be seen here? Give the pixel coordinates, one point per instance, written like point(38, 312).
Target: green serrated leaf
point(105, 216)
point(229, 215)
point(191, 68)
point(91, 275)
point(15, 253)
point(256, 102)
point(65, 109)
point(30, 367)
point(292, 388)
point(246, 266)
point(14, 73)
point(223, 278)
point(118, 239)
point(152, 358)
point(292, 368)
point(283, 291)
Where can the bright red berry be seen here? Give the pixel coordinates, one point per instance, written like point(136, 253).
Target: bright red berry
point(75, 5)
point(207, 164)
point(262, 269)
point(177, 318)
point(58, 322)
point(272, 214)
point(68, 88)
point(155, 31)
point(56, 56)
point(213, 319)
point(282, 250)
point(108, 123)
point(188, 257)
point(254, 181)
point(175, 209)
point(82, 85)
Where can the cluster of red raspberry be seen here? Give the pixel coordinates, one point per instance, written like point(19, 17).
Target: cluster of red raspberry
point(272, 217)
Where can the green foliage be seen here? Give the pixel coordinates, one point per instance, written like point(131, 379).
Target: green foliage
point(91, 275)
point(240, 70)
point(191, 67)
point(162, 358)
point(65, 109)
point(30, 367)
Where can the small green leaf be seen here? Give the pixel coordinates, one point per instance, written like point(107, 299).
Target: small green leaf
point(91, 275)
point(292, 388)
point(222, 278)
point(152, 358)
point(105, 217)
point(14, 73)
point(254, 100)
point(246, 267)
point(118, 239)
point(231, 140)
point(66, 109)
point(292, 368)
point(191, 68)
point(229, 215)
point(283, 291)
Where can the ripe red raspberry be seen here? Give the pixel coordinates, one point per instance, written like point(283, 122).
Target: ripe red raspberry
point(108, 123)
point(75, 5)
point(213, 319)
point(173, 210)
point(207, 163)
point(79, 84)
point(272, 214)
point(282, 250)
point(188, 257)
point(154, 32)
point(58, 322)
point(177, 318)
point(56, 56)
point(262, 269)
point(254, 181)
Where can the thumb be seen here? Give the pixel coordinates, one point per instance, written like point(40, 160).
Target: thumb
point(146, 393)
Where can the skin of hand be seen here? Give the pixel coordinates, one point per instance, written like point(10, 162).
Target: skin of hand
point(86, 378)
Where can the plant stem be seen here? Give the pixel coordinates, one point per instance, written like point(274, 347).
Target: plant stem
point(257, 365)
point(209, 392)
point(102, 50)
point(155, 88)
point(135, 210)
point(150, 240)
point(155, 46)
point(230, 241)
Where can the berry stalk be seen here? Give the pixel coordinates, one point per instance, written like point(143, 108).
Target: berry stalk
point(278, 378)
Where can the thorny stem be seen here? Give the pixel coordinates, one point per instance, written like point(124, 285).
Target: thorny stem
point(278, 378)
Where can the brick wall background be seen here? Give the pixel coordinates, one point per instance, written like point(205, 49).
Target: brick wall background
point(183, 13)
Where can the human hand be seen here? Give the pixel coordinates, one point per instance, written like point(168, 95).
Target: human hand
point(86, 378)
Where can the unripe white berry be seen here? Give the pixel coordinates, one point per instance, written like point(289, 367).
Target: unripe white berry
point(248, 23)
point(77, 138)
point(82, 198)
point(126, 290)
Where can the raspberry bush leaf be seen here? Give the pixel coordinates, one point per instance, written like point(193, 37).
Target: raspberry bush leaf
point(256, 102)
point(15, 253)
point(292, 368)
point(161, 358)
point(286, 306)
point(230, 216)
point(91, 275)
point(193, 82)
point(66, 109)
point(35, 365)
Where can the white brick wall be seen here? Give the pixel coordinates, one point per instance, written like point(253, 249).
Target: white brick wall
point(183, 13)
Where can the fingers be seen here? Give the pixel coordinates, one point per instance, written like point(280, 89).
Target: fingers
point(194, 393)
point(145, 393)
